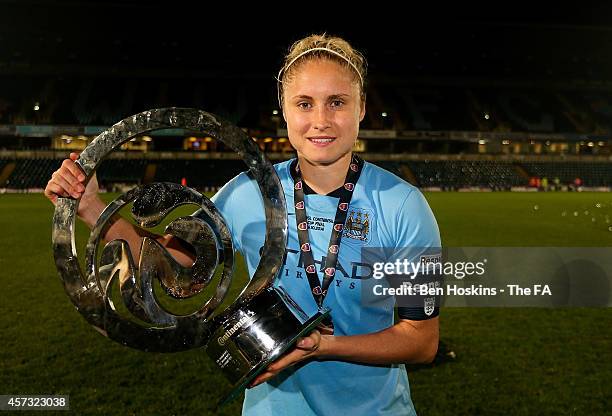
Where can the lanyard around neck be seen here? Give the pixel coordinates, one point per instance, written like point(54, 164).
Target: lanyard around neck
point(319, 289)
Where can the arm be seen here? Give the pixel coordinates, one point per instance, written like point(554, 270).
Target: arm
point(122, 229)
point(407, 341)
point(68, 180)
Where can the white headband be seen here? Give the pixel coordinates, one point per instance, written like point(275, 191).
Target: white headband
point(278, 78)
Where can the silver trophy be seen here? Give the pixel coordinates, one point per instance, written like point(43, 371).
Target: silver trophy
point(244, 338)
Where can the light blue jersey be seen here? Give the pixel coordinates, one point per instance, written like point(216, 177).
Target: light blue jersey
point(385, 211)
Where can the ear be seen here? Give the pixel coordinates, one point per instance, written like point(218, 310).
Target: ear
point(362, 112)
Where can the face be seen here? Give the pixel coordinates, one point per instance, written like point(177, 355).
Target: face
point(323, 108)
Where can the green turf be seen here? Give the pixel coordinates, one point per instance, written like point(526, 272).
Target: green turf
point(509, 361)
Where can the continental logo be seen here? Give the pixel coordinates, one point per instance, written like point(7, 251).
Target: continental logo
point(242, 322)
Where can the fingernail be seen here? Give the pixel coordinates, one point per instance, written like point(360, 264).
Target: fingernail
point(301, 343)
point(81, 178)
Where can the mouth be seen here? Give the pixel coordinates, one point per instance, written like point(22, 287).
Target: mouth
point(322, 140)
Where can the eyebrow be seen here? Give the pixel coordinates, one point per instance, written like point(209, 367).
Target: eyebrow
point(330, 97)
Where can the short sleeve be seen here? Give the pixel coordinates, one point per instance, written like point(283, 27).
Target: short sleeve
point(224, 202)
point(418, 240)
point(241, 205)
point(416, 224)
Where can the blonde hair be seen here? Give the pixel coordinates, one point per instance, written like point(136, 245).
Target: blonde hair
point(322, 47)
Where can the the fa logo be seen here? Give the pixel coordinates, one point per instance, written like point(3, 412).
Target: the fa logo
point(298, 185)
point(333, 249)
point(305, 247)
point(330, 271)
point(354, 167)
point(338, 227)
point(302, 226)
point(343, 206)
point(429, 306)
point(299, 205)
point(317, 290)
point(349, 186)
point(310, 269)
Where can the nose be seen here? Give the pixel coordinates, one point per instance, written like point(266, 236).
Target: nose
point(321, 120)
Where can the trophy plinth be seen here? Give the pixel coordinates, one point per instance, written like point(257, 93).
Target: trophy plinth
point(256, 334)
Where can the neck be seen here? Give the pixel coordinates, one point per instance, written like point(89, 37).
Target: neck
point(324, 179)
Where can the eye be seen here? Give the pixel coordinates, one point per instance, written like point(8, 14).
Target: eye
point(304, 105)
point(337, 103)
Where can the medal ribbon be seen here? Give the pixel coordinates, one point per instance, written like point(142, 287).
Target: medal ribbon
point(319, 290)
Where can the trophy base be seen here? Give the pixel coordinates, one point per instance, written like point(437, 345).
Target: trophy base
point(280, 349)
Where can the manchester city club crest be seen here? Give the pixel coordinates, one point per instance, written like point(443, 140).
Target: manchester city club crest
point(358, 225)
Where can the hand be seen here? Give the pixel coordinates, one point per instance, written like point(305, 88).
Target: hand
point(305, 348)
point(67, 182)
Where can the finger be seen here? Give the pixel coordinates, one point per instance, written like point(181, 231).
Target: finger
point(66, 186)
point(311, 342)
point(52, 191)
point(306, 343)
point(325, 330)
point(67, 175)
point(262, 378)
point(287, 360)
point(73, 168)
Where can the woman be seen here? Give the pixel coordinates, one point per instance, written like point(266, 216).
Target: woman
point(353, 363)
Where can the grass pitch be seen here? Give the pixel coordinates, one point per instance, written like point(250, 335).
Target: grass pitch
point(508, 361)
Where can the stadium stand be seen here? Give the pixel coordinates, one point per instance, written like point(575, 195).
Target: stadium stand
point(592, 174)
point(440, 117)
point(129, 171)
point(199, 173)
point(453, 175)
point(35, 173)
point(250, 103)
point(32, 173)
point(210, 174)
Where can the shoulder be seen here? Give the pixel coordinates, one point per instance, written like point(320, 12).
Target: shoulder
point(391, 190)
point(244, 185)
point(403, 206)
point(281, 168)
